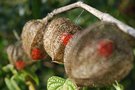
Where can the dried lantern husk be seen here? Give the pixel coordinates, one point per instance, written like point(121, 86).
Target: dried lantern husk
point(130, 39)
point(15, 53)
point(52, 37)
point(32, 37)
point(86, 67)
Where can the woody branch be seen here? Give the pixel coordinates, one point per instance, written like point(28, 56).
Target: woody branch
point(100, 15)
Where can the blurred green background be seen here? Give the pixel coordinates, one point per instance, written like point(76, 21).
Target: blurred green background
point(15, 13)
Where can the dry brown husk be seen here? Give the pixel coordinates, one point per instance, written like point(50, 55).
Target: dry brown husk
point(15, 52)
point(32, 36)
point(52, 35)
point(86, 67)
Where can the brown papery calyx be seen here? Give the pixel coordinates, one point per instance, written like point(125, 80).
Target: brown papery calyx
point(87, 67)
point(53, 37)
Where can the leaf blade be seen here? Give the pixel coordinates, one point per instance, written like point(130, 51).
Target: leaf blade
point(58, 83)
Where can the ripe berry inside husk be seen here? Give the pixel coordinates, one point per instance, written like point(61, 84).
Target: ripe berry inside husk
point(36, 54)
point(65, 38)
point(20, 64)
point(105, 48)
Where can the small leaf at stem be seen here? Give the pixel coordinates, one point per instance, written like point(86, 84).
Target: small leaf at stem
point(58, 83)
point(118, 86)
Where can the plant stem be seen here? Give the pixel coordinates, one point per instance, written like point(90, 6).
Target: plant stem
point(102, 16)
point(30, 85)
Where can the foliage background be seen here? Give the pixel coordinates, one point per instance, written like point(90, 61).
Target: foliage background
point(15, 13)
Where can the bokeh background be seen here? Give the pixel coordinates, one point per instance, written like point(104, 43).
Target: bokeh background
point(15, 13)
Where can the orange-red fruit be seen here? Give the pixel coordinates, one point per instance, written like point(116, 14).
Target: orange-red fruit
point(36, 54)
point(65, 38)
point(20, 64)
point(105, 48)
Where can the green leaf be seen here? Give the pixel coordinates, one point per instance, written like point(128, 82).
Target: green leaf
point(8, 68)
point(118, 86)
point(15, 84)
point(32, 75)
point(58, 83)
point(20, 76)
point(69, 85)
point(55, 83)
point(9, 84)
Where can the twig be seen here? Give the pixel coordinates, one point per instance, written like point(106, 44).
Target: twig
point(102, 16)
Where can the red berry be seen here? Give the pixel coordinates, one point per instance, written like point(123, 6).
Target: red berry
point(20, 64)
point(36, 54)
point(65, 38)
point(105, 48)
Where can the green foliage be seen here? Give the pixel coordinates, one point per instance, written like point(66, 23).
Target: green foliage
point(11, 85)
point(32, 75)
point(58, 83)
point(118, 86)
point(16, 77)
